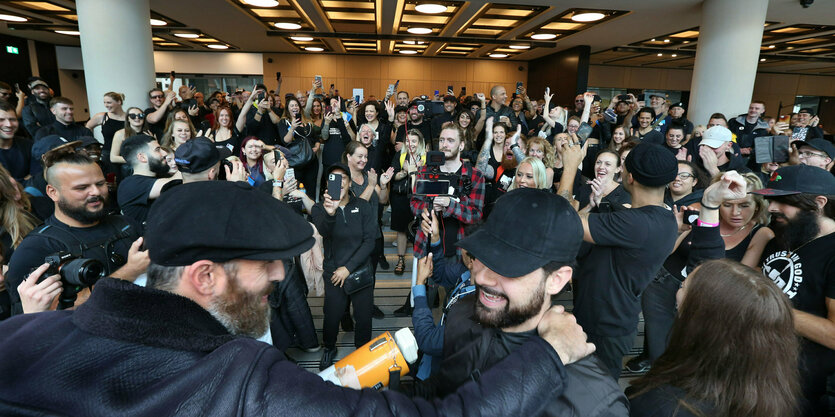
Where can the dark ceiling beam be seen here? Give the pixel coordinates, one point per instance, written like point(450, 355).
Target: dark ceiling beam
point(313, 13)
point(523, 28)
point(388, 14)
point(466, 12)
point(399, 37)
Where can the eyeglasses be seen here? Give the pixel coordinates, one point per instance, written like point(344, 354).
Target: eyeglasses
point(134, 116)
point(157, 96)
point(685, 175)
point(807, 154)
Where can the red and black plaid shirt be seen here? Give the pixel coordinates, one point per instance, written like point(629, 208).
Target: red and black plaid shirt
point(467, 210)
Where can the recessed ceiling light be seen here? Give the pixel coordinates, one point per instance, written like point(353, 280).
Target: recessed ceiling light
point(408, 51)
point(261, 3)
point(666, 41)
point(301, 38)
point(287, 25)
point(498, 55)
point(187, 35)
point(652, 40)
point(158, 22)
point(12, 18)
point(218, 46)
point(430, 8)
point(419, 31)
point(68, 32)
point(790, 47)
point(543, 36)
point(588, 17)
point(519, 46)
point(771, 46)
point(314, 49)
point(686, 42)
point(409, 42)
point(762, 59)
point(673, 55)
point(420, 42)
point(660, 55)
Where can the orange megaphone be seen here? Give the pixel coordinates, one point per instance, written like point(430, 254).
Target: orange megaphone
point(374, 361)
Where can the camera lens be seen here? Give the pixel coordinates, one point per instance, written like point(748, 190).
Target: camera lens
point(83, 272)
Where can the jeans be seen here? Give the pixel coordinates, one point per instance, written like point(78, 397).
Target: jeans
point(659, 305)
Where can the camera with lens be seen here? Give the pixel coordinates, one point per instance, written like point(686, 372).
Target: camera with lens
point(73, 270)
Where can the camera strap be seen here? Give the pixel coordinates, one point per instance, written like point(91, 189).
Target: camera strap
point(120, 231)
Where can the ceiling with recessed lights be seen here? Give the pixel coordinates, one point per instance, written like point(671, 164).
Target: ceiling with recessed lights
point(639, 33)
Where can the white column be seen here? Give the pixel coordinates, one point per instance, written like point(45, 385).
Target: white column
point(726, 58)
point(117, 50)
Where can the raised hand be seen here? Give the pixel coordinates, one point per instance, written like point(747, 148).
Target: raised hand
point(548, 96)
point(386, 177)
point(372, 177)
point(731, 186)
point(329, 204)
point(560, 329)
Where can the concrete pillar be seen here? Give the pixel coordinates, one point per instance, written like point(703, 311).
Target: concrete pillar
point(726, 58)
point(117, 50)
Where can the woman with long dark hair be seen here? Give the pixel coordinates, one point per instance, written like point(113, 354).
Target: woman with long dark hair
point(293, 126)
point(252, 155)
point(348, 226)
point(135, 124)
point(732, 352)
point(603, 189)
point(225, 132)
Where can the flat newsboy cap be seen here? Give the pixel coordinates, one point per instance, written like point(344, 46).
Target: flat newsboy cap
point(198, 155)
point(221, 221)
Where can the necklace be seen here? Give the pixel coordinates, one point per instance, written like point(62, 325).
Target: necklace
point(737, 231)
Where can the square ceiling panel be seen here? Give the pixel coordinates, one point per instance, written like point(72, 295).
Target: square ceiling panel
point(281, 18)
point(434, 22)
point(351, 16)
point(496, 19)
point(572, 21)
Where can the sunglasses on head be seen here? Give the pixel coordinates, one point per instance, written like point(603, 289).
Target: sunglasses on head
point(135, 116)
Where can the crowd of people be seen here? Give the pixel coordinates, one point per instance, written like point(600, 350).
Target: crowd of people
point(213, 217)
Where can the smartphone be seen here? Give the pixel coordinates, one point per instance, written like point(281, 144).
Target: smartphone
point(449, 89)
point(783, 118)
point(318, 78)
point(290, 173)
point(463, 91)
point(335, 186)
point(691, 216)
point(328, 109)
point(331, 86)
point(261, 95)
point(519, 85)
point(357, 99)
point(278, 75)
point(431, 187)
point(277, 156)
point(437, 92)
point(396, 84)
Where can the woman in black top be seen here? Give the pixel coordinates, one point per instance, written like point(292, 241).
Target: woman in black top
point(348, 227)
point(295, 126)
point(406, 163)
point(603, 190)
point(371, 115)
point(732, 352)
point(335, 135)
point(111, 120)
point(225, 132)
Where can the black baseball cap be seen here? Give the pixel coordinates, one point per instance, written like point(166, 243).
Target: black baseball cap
point(806, 110)
point(88, 140)
point(198, 154)
point(527, 229)
point(799, 179)
point(226, 220)
point(820, 144)
point(651, 165)
point(679, 104)
point(338, 165)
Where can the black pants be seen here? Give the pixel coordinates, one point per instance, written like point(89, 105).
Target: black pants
point(291, 321)
point(307, 175)
point(336, 301)
point(658, 303)
point(612, 349)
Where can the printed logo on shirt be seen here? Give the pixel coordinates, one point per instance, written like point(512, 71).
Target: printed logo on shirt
point(355, 210)
point(786, 270)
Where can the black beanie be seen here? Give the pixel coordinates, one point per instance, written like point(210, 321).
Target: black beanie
point(651, 165)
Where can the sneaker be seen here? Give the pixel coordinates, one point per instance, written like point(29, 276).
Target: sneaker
point(312, 349)
point(638, 365)
point(405, 311)
point(384, 263)
point(377, 313)
point(328, 355)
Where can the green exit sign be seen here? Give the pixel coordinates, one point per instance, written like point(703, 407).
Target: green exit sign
point(12, 49)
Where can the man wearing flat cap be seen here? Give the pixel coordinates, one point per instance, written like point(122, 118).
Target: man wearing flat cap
point(522, 257)
point(199, 160)
point(628, 246)
point(183, 345)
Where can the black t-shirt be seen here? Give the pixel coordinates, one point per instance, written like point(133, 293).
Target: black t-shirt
point(616, 199)
point(653, 136)
point(16, 158)
point(333, 147)
point(35, 247)
point(630, 246)
point(158, 128)
point(133, 196)
point(424, 128)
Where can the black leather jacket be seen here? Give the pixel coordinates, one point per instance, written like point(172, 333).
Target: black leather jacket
point(131, 351)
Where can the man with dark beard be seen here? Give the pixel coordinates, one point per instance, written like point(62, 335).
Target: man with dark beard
point(80, 225)
point(801, 260)
point(522, 257)
point(182, 345)
point(150, 176)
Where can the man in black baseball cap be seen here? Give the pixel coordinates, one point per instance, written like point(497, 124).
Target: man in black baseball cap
point(523, 255)
point(817, 152)
point(199, 160)
point(675, 115)
point(629, 246)
point(799, 260)
point(438, 120)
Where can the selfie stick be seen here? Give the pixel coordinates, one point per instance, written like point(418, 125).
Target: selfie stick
point(426, 248)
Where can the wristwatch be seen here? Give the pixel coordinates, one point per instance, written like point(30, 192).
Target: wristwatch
point(278, 183)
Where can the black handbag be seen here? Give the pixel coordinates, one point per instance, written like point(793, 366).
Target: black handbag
point(402, 186)
point(300, 151)
point(358, 280)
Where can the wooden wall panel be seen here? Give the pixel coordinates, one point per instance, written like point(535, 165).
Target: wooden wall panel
point(374, 73)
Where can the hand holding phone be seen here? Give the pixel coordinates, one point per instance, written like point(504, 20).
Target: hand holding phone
point(335, 186)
